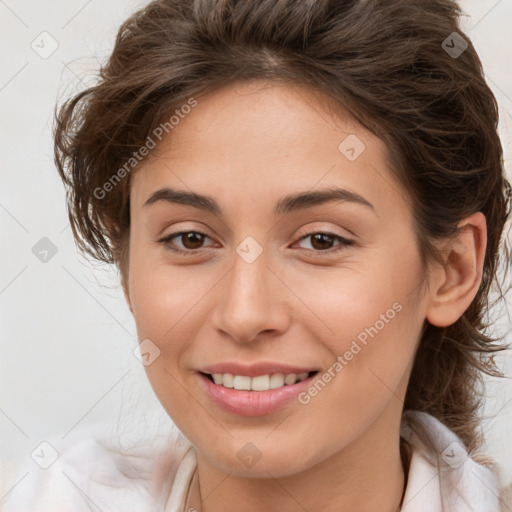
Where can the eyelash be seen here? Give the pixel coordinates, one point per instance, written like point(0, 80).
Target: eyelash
point(190, 252)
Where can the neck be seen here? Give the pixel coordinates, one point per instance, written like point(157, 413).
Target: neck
point(366, 476)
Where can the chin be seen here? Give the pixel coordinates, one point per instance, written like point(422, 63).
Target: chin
point(246, 460)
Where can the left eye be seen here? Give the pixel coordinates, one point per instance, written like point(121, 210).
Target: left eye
point(319, 241)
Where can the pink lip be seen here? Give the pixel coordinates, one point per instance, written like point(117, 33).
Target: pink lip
point(253, 403)
point(253, 370)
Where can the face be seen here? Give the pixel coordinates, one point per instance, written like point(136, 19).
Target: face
point(254, 282)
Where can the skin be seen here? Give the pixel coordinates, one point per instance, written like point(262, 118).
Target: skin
point(247, 145)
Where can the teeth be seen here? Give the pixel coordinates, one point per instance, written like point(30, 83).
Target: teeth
point(226, 380)
point(290, 379)
point(242, 382)
point(276, 381)
point(259, 383)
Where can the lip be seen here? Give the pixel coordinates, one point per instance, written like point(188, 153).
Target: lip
point(253, 403)
point(255, 369)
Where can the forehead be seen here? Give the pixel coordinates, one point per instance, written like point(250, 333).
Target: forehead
point(248, 115)
point(264, 139)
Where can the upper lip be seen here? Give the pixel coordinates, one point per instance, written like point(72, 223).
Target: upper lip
point(255, 369)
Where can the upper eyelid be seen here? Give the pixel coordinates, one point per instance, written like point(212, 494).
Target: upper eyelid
point(329, 232)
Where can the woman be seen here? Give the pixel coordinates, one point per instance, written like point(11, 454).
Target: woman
point(305, 200)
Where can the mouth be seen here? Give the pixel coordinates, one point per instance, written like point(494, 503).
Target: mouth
point(257, 395)
point(257, 383)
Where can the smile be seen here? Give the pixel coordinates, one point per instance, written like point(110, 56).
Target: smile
point(255, 395)
point(259, 382)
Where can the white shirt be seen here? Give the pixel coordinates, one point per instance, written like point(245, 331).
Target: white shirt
point(96, 474)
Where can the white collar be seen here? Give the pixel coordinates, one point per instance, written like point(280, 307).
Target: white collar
point(445, 478)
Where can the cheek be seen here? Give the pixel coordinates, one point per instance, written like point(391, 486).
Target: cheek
point(358, 302)
point(165, 304)
point(164, 297)
point(373, 347)
point(373, 321)
point(170, 306)
point(370, 320)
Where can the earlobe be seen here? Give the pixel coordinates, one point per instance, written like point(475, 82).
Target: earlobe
point(456, 283)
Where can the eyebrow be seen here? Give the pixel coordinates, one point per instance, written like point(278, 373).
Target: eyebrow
point(287, 204)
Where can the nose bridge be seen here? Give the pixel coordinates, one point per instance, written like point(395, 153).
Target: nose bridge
point(247, 284)
point(247, 281)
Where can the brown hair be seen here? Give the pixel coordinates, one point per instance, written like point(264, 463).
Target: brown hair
point(384, 61)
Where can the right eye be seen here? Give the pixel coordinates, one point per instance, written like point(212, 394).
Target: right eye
point(191, 241)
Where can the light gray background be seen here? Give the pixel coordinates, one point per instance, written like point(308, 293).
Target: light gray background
point(67, 335)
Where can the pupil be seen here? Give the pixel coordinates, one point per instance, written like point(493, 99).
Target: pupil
point(322, 237)
point(189, 238)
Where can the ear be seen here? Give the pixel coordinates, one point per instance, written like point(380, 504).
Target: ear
point(454, 285)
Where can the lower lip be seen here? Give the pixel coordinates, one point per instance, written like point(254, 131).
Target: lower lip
point(254, 403)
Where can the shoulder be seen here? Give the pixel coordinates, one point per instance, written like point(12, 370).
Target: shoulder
point(98, 472)
point(441, 472)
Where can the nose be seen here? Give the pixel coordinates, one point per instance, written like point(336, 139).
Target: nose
point(251, 301)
